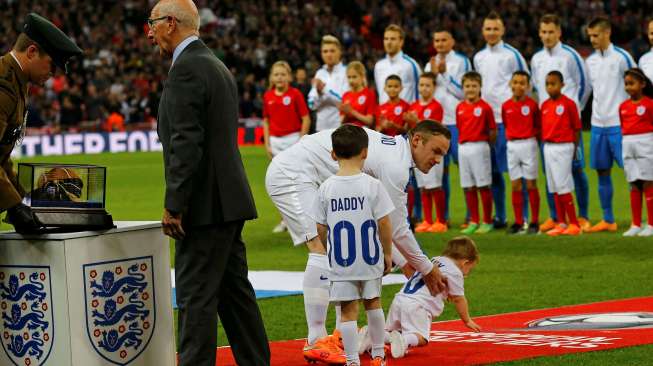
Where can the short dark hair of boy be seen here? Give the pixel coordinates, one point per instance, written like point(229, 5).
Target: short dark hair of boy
point(473, 76)
point(601, 22)
point(429, 75)
point(348, 141)
point(428, 127)
point(557, 74)
point(522, 73)
point(393, 77)
point(461, 247)
point(550, 19)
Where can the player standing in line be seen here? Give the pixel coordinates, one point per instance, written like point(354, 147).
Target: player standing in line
point(477, 131)
point(449, 66)
point(390, 115)
point(292, 181)
point(413, 308)
point(285, 116)
point(606, 67)
point(329, 84)
point(556, 55)
point(521, 117)
point(356, 205)
point(636, 115)
point(359, 103)
point(646, 61)
point(397, 63)
point(430, 184)
point(496, 63)
point(560, 134)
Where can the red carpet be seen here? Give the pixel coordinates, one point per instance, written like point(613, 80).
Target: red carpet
point(507, 337)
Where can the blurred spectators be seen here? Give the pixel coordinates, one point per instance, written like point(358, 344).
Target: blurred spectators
point(120, 70)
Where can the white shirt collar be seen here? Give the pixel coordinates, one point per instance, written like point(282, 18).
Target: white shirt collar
point(336, 67)
point(497, 46)
point(18, 62)
point(396, 57)
point(181, 46)
point(555, 48)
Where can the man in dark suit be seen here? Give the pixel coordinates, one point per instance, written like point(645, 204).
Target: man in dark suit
point(207, 196)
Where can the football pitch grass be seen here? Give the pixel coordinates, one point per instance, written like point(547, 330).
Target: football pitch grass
point(515, 272)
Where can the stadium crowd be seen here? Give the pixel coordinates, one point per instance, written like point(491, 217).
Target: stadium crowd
point(116, 84)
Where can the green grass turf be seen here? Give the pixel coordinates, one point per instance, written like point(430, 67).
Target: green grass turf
point(515, 273)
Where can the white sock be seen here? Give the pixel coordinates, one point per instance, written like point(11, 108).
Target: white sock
point(375, 324)
point(316, 295)
point(349, 331)
point(338, 315)
point(411, 339)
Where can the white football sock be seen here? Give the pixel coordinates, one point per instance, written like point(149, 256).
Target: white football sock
point(375, 324)
point(338, 315)
point(349, 331)
point(316, 295)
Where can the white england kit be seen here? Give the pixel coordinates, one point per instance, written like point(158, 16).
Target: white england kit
point(403, 66)
point(326, 104)
point(646, 64)
point(414, 308)
point(449, 87)
point(350, 206)
point(294, 175)
point(606, 70)
point(496, 64)
point(572, 67)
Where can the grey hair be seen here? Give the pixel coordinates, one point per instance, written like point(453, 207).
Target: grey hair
point(187, 18)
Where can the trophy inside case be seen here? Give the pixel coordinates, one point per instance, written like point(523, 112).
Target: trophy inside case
point(67, 196)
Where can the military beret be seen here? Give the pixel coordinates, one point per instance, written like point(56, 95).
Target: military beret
point(51, 39)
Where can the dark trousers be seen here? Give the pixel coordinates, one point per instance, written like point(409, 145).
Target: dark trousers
point(211, 280)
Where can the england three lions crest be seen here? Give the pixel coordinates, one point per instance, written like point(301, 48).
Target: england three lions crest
point(120, 307)
point(26, 324)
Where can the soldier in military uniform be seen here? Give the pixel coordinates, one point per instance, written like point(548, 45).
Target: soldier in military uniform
point(38, 50)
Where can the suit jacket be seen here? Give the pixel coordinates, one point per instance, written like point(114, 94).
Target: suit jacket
point(198, 128)
point(13, 106)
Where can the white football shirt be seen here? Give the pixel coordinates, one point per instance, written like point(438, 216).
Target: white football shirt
point(350, 207)
point(415, 288)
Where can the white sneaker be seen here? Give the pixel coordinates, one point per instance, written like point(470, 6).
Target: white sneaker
point(398, 345)
point(648, 231)
point(633, 231)
point(364, 340)
point(280, 228)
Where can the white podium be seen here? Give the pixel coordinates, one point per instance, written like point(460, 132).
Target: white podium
point(87, 298)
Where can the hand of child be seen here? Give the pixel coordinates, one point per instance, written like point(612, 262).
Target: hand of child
point(473, 326)
point(345, 108)
point(268, 150)
point(410, 117)
point(387, 260)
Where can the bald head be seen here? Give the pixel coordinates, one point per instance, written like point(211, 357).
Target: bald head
point(184, 10)
point(172, 21)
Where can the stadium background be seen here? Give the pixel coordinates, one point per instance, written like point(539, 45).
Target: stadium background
point(249, 36)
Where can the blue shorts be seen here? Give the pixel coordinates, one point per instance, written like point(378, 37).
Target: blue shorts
point(605, 147)
point(452, 154)
point(500, 151)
